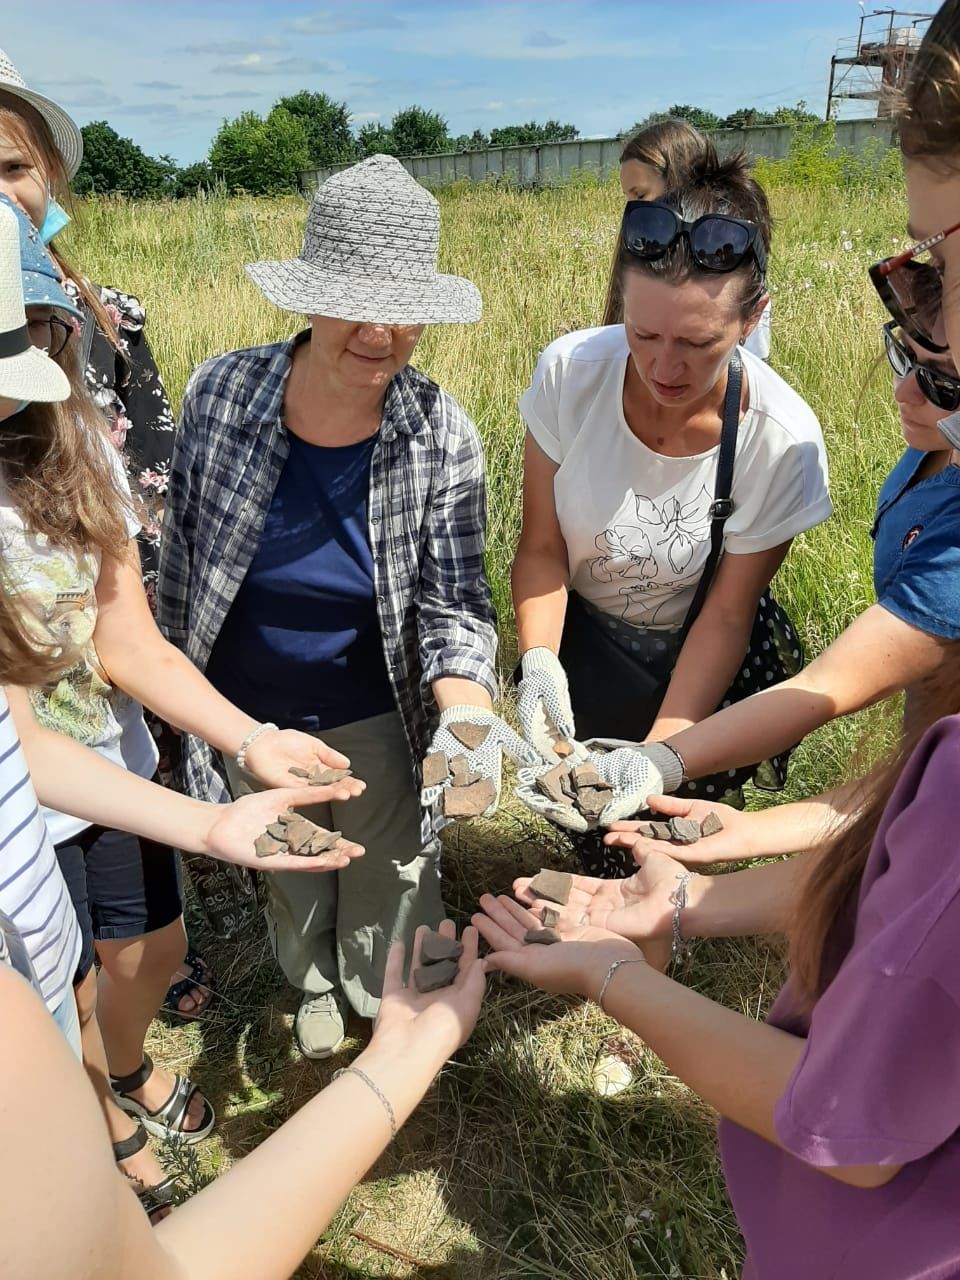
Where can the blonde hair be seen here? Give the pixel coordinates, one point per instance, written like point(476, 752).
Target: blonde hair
point(672, 148)
point(26, 127)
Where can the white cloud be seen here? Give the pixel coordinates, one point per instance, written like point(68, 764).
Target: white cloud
point(543, 40)
point(363, 117)
point(355, 17)
point(254, 64)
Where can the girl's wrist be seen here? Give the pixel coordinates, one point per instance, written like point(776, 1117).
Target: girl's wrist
point(598, 966)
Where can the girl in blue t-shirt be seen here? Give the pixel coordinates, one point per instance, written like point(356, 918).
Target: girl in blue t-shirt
point(891, 646)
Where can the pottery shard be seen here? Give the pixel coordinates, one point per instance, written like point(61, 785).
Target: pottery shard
point(711, 825)
point(267, 845)
point(436, 947)
point(298, 772)
point(551, 785)
point(684, 830)
point(563, 748)
point(592, 801)
point(277, 830)
point(551, 918)
point(436, 770)
point(469, 801)
point(299, 832)
point(471, 735)
point(645, 829)
point(545, 937)
point(660, 831)
point(555, 886)
point(463, 775)
point(432, 977)
point(327, 777)
point(584, 776)
point(320, 842)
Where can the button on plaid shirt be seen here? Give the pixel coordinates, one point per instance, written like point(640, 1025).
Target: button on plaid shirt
point(426, 521)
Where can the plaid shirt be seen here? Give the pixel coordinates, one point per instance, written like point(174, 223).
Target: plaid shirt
point(426, 520)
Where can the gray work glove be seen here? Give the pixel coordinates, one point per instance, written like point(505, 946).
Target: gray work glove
point(486, 759)
point(543, 704)
point(635, 773)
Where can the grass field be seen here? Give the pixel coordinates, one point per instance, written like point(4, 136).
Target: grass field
point(513, 1166)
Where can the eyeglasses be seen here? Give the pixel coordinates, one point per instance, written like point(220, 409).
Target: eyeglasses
point(717, 242)
point(913, 291)
point(941, 389)
point(52, 333)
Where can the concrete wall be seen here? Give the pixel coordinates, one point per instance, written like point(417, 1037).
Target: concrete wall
point(551, 163)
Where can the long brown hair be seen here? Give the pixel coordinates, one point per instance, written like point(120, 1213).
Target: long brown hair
point(671, 147)
point(834, 880)
point(928, 112)
point(26, 127)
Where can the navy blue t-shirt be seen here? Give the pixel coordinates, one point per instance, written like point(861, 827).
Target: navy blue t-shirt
point(916, 557)
point(301, 645)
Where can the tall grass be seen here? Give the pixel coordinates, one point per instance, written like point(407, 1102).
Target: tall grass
point(514, 1167)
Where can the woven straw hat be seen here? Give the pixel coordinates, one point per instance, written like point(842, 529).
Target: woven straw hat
point(67, 138)
point(370, 254)
point(26, 372)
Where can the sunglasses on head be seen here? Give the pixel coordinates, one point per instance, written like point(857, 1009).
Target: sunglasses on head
point(913, 291)
point(941, 389)
point(716, 242)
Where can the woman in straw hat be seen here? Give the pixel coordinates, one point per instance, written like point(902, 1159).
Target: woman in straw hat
point(322, 562)
point(40, 152)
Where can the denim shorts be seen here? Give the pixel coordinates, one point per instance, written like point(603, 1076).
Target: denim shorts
point(121, 885)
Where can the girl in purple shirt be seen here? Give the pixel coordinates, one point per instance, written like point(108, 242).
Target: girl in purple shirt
point(840, 1128)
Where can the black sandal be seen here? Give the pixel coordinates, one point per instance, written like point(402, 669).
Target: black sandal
point(199, 978)
point(153, 1200)
point(168, 1120)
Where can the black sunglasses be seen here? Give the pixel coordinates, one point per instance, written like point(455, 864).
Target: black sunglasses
point(913, 291)
point(58, 333)
point(941, 389)
point(717, 242)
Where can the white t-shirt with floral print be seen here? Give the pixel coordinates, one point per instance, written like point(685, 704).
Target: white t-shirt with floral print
point(637, 523)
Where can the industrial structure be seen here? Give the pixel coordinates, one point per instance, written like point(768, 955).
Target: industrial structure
point(866, 67)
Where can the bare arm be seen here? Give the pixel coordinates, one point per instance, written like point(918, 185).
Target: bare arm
point(717, 641)
point(541, 572)
point(875, 657)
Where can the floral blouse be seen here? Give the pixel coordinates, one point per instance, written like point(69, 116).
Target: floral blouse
point(126, 386)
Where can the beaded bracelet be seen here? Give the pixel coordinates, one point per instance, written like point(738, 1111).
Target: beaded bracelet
point(249, 740)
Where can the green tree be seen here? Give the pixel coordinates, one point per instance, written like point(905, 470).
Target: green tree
point(516, 135)
point(699, 117)
point(326, 124)
point(376, 139)
point(260, 156)
point(418, 132)
point(112, 164)
point(193, 179)
point(475, 141)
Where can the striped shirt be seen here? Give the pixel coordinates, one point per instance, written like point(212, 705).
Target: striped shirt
point(426, 524)
point(33, 892)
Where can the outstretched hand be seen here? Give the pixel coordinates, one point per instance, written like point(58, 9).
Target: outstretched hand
point(444, 1018)
point(575, 966)
point(729, 845)
point(234, 828)
point(274, 752)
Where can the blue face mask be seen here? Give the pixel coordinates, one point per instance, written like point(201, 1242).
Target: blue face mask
point(56, 219)
point(950, 427)
point(20, 407)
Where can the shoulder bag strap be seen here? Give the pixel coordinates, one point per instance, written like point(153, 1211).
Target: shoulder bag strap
point(722, 506)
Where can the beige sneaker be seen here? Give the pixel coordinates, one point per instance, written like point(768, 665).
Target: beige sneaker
point(319, 1025)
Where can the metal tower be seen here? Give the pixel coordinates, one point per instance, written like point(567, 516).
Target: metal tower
point(865, 67)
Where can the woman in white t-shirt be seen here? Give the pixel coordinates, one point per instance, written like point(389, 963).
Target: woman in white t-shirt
point(620, 467)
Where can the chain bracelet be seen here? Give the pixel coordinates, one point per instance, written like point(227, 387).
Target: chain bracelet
point(355, 1071)
point(678, 946)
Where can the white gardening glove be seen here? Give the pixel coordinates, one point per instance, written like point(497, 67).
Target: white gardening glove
point(486, 759)
point(634, 772)
point(543, 704)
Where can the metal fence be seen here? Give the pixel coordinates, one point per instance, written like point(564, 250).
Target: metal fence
point(548, 164)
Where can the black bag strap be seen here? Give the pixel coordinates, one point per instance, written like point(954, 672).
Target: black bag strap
point(722, 506)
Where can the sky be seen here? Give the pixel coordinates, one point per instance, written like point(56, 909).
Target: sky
point(167, 72)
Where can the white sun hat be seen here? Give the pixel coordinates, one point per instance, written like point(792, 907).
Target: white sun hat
point(67, 137)
point(370, 254)
point(26, 372)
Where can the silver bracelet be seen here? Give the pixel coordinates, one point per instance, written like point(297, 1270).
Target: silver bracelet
point(355, 1071)
point(249, 740)
point(678, 946)
point(610, 972)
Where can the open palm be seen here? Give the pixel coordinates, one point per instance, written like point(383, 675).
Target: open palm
point(236, 826)
point(637, 908)
point(272, 755)
point(729, 845)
